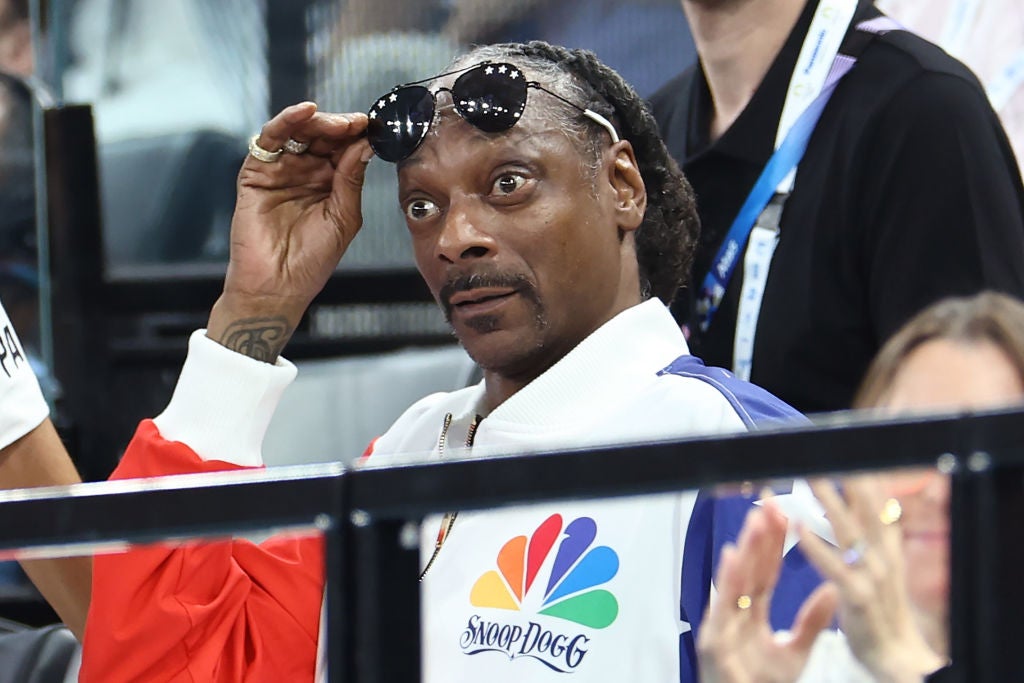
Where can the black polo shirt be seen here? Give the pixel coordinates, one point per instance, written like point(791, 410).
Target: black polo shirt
point(908, 192)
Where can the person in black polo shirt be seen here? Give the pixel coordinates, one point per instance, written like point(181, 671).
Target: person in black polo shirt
point(890, 185)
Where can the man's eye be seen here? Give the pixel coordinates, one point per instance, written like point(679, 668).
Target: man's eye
point(508, 183)
point(419, 209)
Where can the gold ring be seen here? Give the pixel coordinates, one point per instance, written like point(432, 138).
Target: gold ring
point(261, 154)
point(293, 146)
point(744, 602)
point(891, 512)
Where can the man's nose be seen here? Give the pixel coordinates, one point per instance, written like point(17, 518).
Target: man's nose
point(464, 235)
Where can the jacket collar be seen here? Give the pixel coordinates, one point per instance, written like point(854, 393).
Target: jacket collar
point(626, 351)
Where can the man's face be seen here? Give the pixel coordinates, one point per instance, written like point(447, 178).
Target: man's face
point(517, 239)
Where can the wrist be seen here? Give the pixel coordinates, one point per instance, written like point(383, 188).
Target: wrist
point(223, 402)
point(257, 327)
point(910, 666)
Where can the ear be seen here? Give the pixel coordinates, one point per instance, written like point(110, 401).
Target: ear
point(630, 193)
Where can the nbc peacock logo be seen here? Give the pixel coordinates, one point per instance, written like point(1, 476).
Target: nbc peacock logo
point(571, 592)
point(574, 572)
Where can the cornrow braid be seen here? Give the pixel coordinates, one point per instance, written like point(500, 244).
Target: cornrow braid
point(666, 239)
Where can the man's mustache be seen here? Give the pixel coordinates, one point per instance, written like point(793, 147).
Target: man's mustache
point(478, 280)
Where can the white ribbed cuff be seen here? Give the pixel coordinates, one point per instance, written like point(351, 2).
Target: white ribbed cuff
point(223, 402)
point(22, 406)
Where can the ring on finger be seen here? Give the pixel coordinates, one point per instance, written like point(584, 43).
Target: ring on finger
point(855, 553)
point(293, 146)
point(891, 512)
point(260, 154)
point(744, 602)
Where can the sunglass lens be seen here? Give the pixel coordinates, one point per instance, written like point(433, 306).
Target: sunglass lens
point(491, 96)
point(399, 121)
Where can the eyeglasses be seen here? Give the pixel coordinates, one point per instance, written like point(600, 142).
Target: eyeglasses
point(491, 97)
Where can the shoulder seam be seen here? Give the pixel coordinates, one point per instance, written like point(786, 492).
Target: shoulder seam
point(893, 39)
point(734, 401)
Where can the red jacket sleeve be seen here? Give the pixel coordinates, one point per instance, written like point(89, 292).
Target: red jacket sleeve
point(230, 611)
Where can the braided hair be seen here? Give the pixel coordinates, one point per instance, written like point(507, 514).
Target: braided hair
point(666, 239)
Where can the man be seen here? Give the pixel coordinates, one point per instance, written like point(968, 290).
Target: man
point(31, 454)
point(547, 230)
point(907, 191)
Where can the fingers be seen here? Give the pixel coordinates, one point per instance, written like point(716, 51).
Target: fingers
point(815, 615)
point(767, 540)
point(840, 565)
point(857, 522)
point(729, 585)
point(823, 556)
point(347, 187)
point(326, 134)
point(871, 581)
point(776, 527)
point(845, 525)
point(868, 500)
point(874, 609)
point(751, 568)
point(864, 494)
point(316, 171)
point(277, 130)
point(848, 530)
point(724, 625)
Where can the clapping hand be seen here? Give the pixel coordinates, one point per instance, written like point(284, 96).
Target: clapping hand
point(736, 643)
point(868, 570)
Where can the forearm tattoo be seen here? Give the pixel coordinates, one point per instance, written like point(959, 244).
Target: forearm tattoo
point(259, 338)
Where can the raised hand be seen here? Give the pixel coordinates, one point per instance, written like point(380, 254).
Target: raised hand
point(736, 643)
point(295, 216)
point(874, 609)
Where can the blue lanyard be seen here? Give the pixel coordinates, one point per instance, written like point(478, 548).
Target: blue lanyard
point(785, 159)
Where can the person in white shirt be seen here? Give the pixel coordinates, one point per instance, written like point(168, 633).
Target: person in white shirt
point(31, 454)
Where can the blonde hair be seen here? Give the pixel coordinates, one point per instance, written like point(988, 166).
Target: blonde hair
point(987, 317)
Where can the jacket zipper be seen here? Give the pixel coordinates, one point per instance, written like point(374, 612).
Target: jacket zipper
point(448, 521)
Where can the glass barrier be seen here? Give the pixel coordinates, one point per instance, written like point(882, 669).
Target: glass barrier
point(906, 520)
point(178, 88)
point(588, 587)
point(544, 563)
point(24, 277)
point(619, 589)
point(168, 516)
point(219, 574)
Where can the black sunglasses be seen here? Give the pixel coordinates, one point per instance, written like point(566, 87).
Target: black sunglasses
point(492, 97)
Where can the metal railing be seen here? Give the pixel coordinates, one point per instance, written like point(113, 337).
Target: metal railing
point(370, 515)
